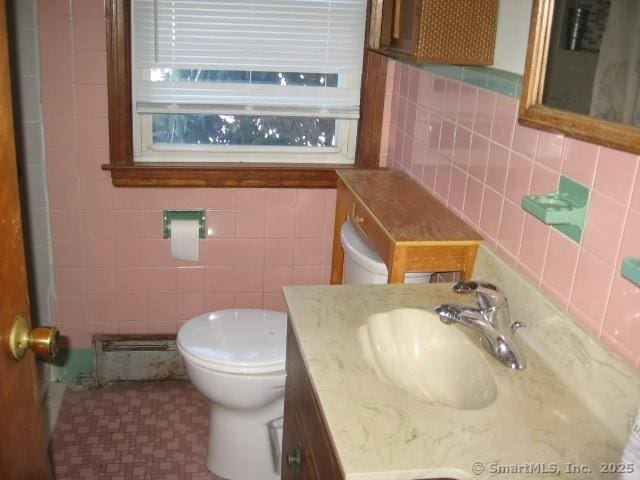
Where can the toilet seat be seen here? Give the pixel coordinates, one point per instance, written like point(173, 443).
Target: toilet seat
point(237, 341)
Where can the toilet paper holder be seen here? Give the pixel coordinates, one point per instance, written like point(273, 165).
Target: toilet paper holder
point(168, 215)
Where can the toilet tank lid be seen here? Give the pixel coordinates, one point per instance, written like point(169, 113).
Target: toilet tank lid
point(244, 338)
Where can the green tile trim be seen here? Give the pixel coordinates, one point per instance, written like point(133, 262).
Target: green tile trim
point(74, 364)
point(631, 270)
point(565, 209)
point(499, 81)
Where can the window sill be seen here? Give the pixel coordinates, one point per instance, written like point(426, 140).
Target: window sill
point(275, 175)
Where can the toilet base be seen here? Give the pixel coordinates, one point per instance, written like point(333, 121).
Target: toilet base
point(239, 443)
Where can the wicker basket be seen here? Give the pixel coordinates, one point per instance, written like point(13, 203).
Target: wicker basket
point(457, 31)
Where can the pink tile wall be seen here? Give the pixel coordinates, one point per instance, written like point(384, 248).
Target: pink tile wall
point(114, 272)
point(464, 145)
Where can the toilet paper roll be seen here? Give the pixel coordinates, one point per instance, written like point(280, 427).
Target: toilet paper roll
point(185, 240)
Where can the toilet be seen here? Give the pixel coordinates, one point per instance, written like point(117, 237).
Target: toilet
point(236, 358)
point(362, 265)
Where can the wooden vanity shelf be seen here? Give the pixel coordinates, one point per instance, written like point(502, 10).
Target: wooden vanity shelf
point(404, 224)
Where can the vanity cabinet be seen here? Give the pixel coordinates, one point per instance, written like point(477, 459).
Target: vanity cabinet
point(439, 31)
point(409, 229)
point(307, 450)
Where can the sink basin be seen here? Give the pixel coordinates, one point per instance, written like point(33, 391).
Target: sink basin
point(413, 350)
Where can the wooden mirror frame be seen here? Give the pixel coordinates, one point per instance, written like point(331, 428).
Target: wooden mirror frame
point(533, 113)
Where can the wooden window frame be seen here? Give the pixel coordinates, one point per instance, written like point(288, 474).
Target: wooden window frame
point(125, 172)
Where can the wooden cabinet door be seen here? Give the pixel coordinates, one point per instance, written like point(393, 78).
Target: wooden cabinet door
point(294, 445)
point(401, 25)
point(23, 453)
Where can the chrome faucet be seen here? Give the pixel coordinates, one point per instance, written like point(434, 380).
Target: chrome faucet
point(491, 320)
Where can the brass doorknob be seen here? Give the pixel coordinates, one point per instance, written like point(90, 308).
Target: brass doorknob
point(44, 341)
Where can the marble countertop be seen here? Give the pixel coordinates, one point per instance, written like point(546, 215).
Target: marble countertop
point(539, 418)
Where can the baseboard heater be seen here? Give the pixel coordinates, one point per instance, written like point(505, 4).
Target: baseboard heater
point(124, 358)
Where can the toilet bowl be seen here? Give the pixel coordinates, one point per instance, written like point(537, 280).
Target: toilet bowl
point(236, 358)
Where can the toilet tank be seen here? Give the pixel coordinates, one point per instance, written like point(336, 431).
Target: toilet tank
point(362, 265)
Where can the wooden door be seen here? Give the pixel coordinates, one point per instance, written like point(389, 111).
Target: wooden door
point(23, 453)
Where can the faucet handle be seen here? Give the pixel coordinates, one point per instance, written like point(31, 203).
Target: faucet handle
point(516, 325)
point(487, 294)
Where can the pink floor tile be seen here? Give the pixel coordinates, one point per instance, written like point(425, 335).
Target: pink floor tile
point(146, 430)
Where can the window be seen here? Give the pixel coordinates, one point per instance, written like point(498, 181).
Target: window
point(315, 120)
point(247, 81)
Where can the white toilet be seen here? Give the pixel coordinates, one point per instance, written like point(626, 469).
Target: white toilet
point(236, 359)
point(363, 265)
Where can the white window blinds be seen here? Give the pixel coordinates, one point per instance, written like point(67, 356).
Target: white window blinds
point(287, 36)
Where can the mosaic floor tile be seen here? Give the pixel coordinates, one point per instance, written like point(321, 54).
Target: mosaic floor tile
point(144, 431)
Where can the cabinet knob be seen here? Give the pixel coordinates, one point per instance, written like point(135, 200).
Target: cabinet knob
point(294, 459)
point(358, 219)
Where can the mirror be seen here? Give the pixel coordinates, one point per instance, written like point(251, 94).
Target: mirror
point(582, 75)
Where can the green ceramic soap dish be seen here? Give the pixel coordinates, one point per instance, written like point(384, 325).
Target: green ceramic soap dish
point(631, 270)
point(565, 209)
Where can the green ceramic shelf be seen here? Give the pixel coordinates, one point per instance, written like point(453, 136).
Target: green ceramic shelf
point(168, 215)
point(565, 209)
point(631, 270)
